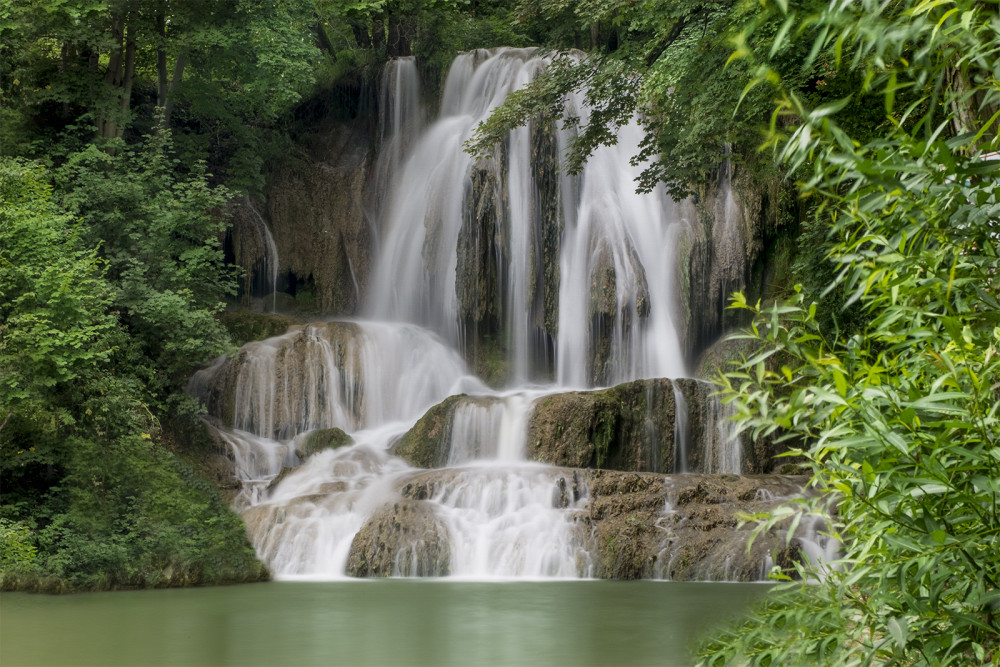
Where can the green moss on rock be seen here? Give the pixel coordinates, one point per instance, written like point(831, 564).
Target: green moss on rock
point(627, 427)
point(322, 439)
point(426, 444)
point(245, 326)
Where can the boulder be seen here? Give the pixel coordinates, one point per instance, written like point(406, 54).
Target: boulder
point(403, 539)
point(321, 439)
point(627, 427)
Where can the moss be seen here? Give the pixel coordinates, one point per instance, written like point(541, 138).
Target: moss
point(321, 439)
point(245, 326)
point(489, 361)
point(627, 427)
point(426, 444)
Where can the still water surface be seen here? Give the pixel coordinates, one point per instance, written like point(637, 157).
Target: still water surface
point(386, 622)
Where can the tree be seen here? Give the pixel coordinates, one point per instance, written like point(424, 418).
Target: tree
point(900, 418)
point(160, 235)
point(669, 66)
point(54, 324)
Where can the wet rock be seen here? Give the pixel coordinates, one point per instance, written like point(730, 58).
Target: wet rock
point(710, 422)
point(743, 241)
point(289, 363)
point(635, 525)
point(403, 539)
point(480, 276)
point(426, 444)
point(279, 478)
point(320, 440)
point(245, 326)
point(627, 427)
point(684, 527)
point(315, 206)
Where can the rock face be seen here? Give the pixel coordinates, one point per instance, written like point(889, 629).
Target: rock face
point(636, 526)
point(285, 385)
point(628, 427)
point(743, 242)
point(482, 254)
point(426, 444)
point(631, 427)
point(322, 439)
point(403, 539)
point(485, 254)
point(315, 206)
point(683, 527)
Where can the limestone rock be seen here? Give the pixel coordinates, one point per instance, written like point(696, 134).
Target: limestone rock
point(315, 204)
point(402, 539)
point(320, 440)
point(627, 427)
point(684, 527)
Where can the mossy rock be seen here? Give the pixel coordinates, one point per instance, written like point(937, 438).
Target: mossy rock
point(404, 538)
point(322, 439)
point(698, 537)
point(628, 427)
point(245, 326)
point(426, 445)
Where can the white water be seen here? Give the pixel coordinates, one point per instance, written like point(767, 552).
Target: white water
point(266, 240)
point(682, 431)
point(722, 449)
point(513, 522)
point(604, 220)
point(374, 379)
point(349, 375)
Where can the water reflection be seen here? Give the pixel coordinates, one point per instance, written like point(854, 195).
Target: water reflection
point(385, 622)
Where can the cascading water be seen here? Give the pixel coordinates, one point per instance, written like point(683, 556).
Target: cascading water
point(583, 273)
point(269, 262)
point(400, 119)
point(722, 449)
point(682, 433)
point(616, 256)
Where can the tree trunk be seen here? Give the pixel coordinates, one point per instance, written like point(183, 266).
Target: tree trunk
point(962, 103)
point(322, 39)
point(63, 68)
point(106, 126)
point(398, 44)
point(175, 81)
point(161, 61)
point(129, 77)
point(360, 31)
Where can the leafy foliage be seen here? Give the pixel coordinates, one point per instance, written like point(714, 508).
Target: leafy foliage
point(53, 308)
point(91, 498)
point(902, 416)
point(669, 65)
point(157, 232)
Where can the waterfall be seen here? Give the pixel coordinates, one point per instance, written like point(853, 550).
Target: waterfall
point(512, 522)
point(573, 279)
point(682, 432)
point(616, 254)
point(400, 118)
point(269, 262)
point(494, 431)
point(729, 242)
point(722, 448)
point(350, 375)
